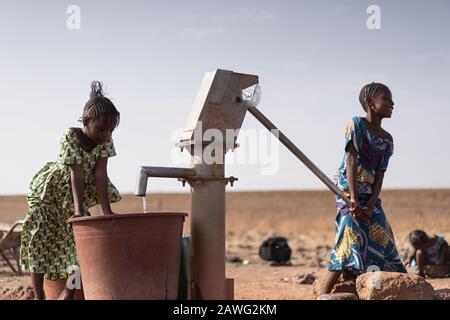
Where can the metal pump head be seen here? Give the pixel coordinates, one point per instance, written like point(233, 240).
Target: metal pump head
point(218, 105)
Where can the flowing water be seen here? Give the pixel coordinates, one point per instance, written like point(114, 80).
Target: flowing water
point(144, 203)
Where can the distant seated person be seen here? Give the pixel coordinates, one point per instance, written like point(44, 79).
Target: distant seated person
point(427, 251)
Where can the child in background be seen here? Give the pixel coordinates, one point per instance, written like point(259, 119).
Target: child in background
point(67, 187)
point(363, 235)
point(427, 251)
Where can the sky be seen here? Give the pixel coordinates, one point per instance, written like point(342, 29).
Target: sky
point(312, 58)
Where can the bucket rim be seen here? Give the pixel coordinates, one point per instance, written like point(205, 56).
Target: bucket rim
point(126, 215)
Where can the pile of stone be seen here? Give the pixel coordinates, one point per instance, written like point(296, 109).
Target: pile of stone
point(384, 286)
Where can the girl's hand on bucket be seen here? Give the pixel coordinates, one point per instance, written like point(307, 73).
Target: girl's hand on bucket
point(81, 214)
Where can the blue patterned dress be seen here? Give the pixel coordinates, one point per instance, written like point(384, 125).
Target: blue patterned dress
point(361, 246)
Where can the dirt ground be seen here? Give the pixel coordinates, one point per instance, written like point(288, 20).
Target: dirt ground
point(305, 218)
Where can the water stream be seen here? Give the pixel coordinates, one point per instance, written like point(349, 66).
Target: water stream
point(144, 203)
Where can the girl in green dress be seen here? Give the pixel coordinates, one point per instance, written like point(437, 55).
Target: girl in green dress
point(68, 187)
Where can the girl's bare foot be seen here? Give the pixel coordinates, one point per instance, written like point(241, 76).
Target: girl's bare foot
point(39, 297)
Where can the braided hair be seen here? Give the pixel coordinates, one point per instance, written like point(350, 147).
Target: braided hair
point(99, 107)
point(369, 91)
point(418, 237)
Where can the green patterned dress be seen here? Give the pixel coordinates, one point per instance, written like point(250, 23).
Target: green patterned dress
point(47, 244)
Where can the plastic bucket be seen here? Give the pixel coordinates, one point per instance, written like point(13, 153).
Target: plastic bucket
point(129, 256)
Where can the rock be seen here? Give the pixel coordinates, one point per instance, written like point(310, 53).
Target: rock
point(345, 286)
point(342, 286)
point(17, 293)
point(319, 262)
point(307, 278)
point(280, 264)
point(337, 296)
point(436, 271)
point(245, 246)
point(393, 286)
point(442, 294)
point(235, 260)
point(326, 247)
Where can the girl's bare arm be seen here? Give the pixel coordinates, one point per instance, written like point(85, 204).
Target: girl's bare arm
point(77, 181)
point(101, 183)
point(410, 258)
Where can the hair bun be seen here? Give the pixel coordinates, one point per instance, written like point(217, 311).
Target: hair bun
point(96, 89)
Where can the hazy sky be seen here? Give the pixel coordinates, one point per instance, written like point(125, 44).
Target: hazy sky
point(312, 58)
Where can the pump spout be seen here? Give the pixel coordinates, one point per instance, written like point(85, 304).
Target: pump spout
point(159, 172)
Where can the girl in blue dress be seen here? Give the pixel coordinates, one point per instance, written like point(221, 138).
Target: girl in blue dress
point(364, 238)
